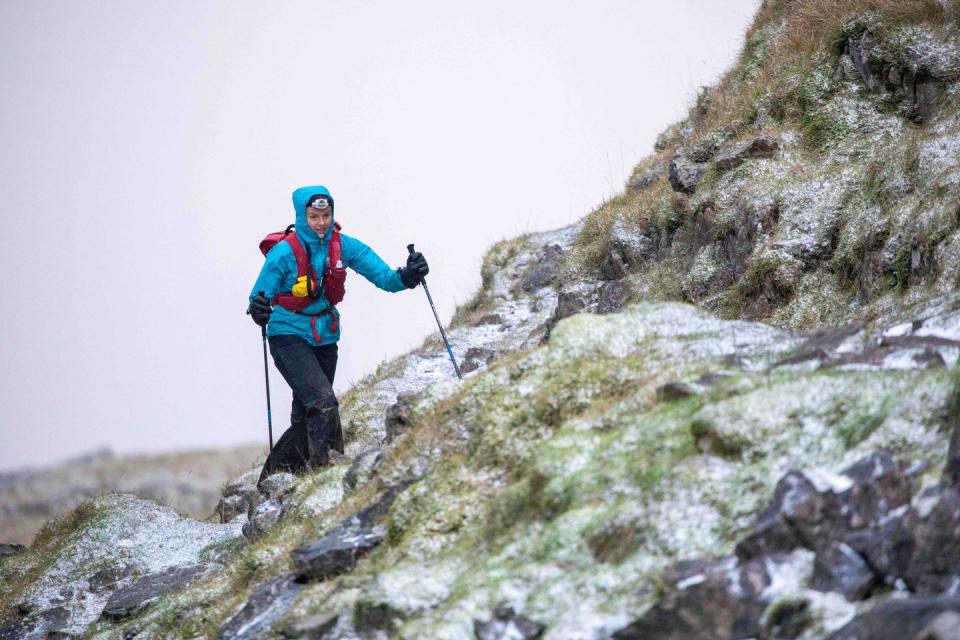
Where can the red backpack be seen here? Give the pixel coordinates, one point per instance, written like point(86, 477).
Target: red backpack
point(306, 291)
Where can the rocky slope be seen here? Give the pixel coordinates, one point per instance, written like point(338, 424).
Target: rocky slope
point(724, 405)
point(188, 481)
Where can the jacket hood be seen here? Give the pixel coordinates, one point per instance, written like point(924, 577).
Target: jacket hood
point(300, 199)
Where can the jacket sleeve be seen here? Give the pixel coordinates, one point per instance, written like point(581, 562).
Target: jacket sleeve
point(367, 263)
point(273, 271)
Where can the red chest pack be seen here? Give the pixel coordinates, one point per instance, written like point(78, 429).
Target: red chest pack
point(307, 289)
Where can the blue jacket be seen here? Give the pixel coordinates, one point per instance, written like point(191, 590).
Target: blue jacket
point(279, 274)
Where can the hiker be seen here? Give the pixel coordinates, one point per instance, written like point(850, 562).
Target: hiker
point(295, 297)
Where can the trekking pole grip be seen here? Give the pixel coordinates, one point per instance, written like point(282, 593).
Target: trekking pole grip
point(410, 248)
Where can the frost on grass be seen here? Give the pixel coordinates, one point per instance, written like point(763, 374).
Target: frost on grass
point(127, 531)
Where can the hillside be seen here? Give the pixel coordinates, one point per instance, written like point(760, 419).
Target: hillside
point(725, 404)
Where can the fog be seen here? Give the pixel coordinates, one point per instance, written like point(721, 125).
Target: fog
point(149, 146)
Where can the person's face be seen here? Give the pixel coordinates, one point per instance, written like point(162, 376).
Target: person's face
point(319, 219)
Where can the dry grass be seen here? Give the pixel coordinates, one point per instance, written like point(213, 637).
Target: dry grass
point(818, 24)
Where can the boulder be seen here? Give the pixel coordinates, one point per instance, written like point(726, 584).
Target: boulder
point(10, 549)
point(685, 174)
point(133, 599)
point(267, 603)
point(507, 624)
point(544, 271)
point(759, 147)
point(362, 469)
point(897, 619)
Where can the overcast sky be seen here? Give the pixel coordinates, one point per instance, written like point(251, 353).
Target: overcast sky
point(148, 146)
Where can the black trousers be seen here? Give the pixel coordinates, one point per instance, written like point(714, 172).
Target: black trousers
point(315, 414)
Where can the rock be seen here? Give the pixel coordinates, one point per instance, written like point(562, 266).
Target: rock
point(338, 550)
point(685, 175)
point(375, 616)
point(886, 547)
point(278, 485)
point(760, 147)
point(839, 568)
point(613, 297)
point(675, 391)
point(544, 271)
point(398, 415)
point(897, 619)
point(570, 303)
point(880, 486)
point(362, 469)
point(10, 549)
point(267, 603)
point(107, 579)
point(613, 267)
point(934, 561)
point(645, 180)
point(41, 624)
point(138, 596)
point(707, 600)
point(336, 553)
point(859, 51)
point(314, 626)
point(475, 358)
point(951, 470)
point(796, 508)
point(946, 626)
point(490, 318)
point(636, 246)
point(262, 519)
point(506, 624)
point(787, 620)
point(230, 507)
point(799, 514)
point(242, 484)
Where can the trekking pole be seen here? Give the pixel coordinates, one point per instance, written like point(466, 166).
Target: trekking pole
point(266, 377)
point(423, 281)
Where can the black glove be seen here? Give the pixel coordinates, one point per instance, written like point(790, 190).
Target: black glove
point(415, 270)
point(260, 310)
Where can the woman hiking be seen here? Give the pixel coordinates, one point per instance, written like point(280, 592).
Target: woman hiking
point(294, 297)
